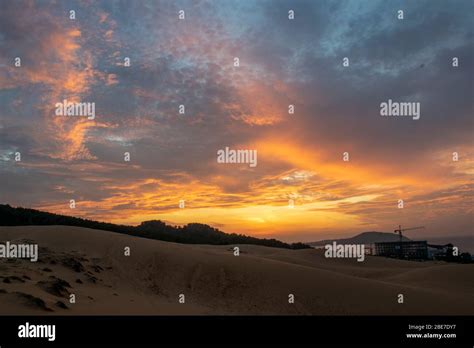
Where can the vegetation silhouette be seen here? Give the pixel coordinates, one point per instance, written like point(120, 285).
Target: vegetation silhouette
point(193, 233)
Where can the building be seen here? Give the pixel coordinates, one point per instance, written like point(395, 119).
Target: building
point(405, 250)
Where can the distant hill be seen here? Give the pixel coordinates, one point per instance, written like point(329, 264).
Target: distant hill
point(363, 238)
point(189, 234)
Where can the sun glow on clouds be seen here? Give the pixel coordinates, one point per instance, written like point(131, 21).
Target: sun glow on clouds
point(325, 197)
point(262, 209)
point(173, 156)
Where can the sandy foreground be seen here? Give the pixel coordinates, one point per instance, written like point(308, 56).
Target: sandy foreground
point(91, 265)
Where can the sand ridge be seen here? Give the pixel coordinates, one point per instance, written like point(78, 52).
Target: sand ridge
point(91, 265)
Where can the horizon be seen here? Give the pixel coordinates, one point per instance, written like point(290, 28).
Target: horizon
point(342, 236)
point(322, 159)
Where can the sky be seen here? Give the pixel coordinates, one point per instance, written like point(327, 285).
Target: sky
point(282, 62)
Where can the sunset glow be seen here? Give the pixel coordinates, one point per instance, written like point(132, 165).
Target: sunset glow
point(300, 155)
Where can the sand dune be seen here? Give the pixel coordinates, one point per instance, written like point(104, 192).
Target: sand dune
point(91, 265)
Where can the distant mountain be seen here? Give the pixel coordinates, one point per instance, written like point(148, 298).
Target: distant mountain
point(155, 229)
point(363, 238)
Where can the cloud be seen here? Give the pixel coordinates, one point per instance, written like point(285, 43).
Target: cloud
point(190, 62)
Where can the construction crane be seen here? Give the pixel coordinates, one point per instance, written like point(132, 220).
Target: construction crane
point(400, 230)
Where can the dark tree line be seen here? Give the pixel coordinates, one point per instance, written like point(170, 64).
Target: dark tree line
point(189, 234)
